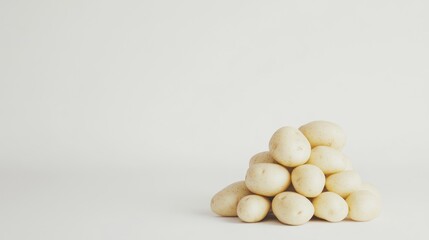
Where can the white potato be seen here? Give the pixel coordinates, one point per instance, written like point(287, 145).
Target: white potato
point(330, 207)
point(253, 208)
point(343, 183)
point(267, 179)
point(262, 157)
point(324, 133)
point(308, 180)
point(292, 208)
point(363, 205)
point(348, 163)
point(224, 203)
point(371, 188)
point(328, 159)
point(289, 147)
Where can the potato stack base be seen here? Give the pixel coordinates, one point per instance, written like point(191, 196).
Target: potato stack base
point(304, 174)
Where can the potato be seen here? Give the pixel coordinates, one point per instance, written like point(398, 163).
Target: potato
point(289, 147)
point(343, 183)
point(328, 159)
point(330, 207)
point(371, 188)
point(224, 203)
point(324, 133)
point(267, 179)
point(363, 205)
point(308, 180)
point(253, 208)
point(292, 208)
point(262, 157)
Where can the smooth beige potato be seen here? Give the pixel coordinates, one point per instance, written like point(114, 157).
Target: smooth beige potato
point(343, 183)
point(262, 157)
point(289, 147)
point(253, 208)
point(224, 203)
point(267, 179)
point(292, 208)
point(308, 180)
point(324, 133)
point(363, 205)
point(330, 207)
point(328, 159)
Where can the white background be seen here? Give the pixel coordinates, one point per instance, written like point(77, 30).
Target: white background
point(121, 119)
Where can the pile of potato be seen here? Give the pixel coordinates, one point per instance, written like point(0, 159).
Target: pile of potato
point(304, 174)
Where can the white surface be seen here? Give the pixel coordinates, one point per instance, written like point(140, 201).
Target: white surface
point(121, 119)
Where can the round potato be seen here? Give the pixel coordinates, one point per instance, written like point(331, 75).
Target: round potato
point(330, 207)
point(343, 183)
point(253, 208)
point(324, 133)
point(224, 203)
point(292, 208)
point(308, 180)
point(262, 157)
point(328, 159)
point(267, 179)
point(289, 147)
point(363, 205)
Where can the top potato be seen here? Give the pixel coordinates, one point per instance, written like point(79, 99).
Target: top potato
point(324, 133)
point(289, 147)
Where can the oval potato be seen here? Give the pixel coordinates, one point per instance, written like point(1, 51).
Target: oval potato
point(328, 159)
point(363, 205)
point(253, 208)
point(308, 180)
point(267, 179)
point(262, 157)
point(289, 147)
point(224, 203)
point(324, 133)
point(330, 207)
point(292, 208)
point(343, 183)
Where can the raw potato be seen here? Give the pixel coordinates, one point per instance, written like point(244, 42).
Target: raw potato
point(267, 179)
point(308, 180)
point(328, 159)
point(289, 147)
point(224, 203)
point(262, 157)
point(292, 208)
point(330, 207)
point(253, 208)
point(363, 205)
point(343, 183)
point(324, 133)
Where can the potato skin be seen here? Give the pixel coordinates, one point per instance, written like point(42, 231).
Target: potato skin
point(292, 208)
point(330, 207)
point(267, 179)
point(328, 159)
point(262, 157)
point(371, 188)
point(324, 133)
point(343, 183)
point(289, 147)
point(224, 203)
point(253, 208)
point(363, 205)
point(308, 180)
